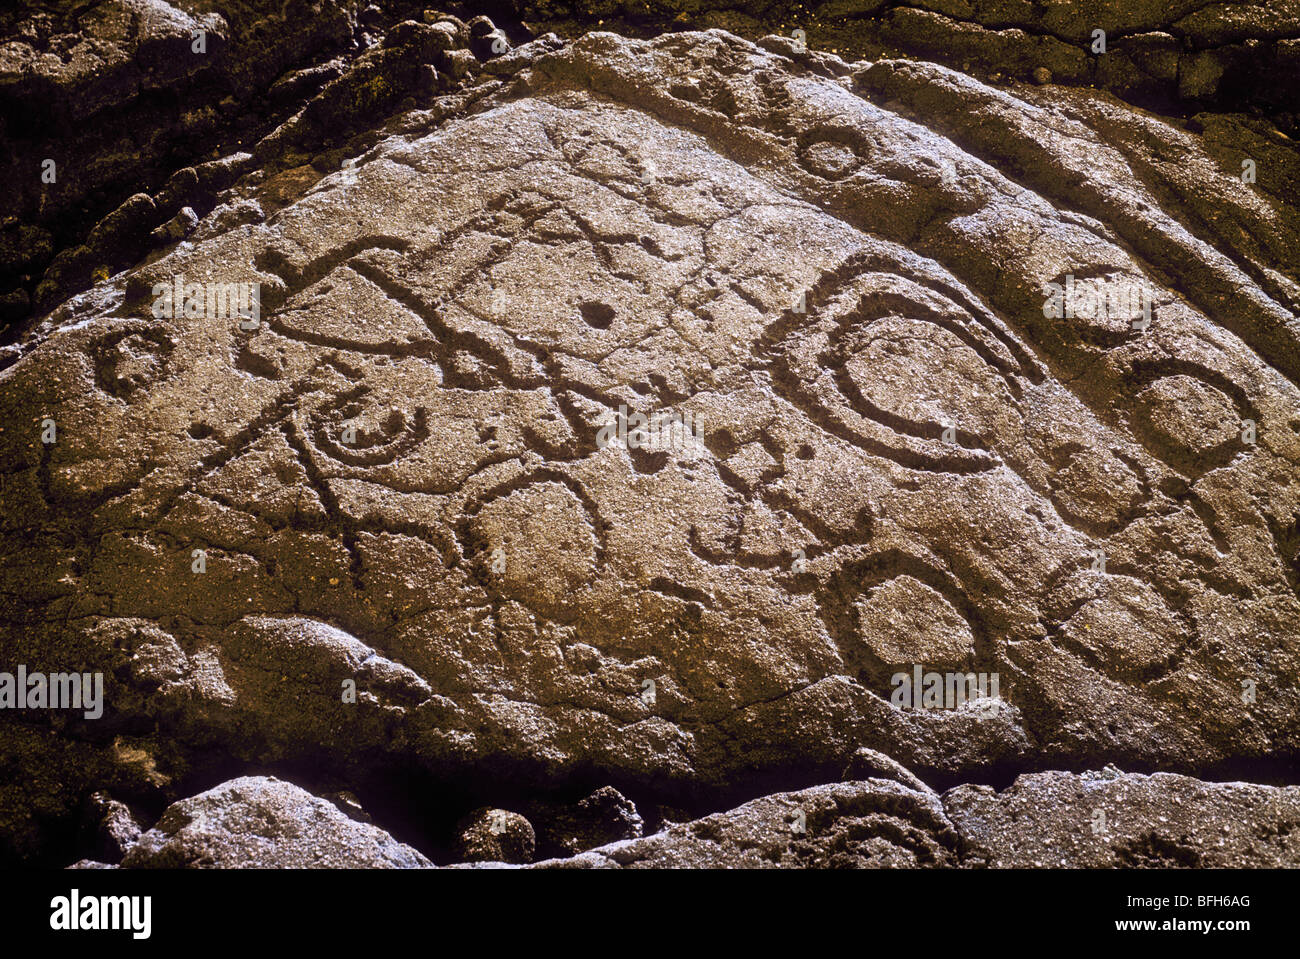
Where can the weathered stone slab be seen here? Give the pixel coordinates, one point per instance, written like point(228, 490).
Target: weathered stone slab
point(417, 549)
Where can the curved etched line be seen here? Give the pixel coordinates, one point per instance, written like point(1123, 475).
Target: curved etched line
point(408, 436)
point(836, 599)
point(534, 477)
point(791, 386)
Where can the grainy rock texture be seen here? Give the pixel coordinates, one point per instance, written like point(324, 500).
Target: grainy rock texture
point(260, 823)
point(373, 528)
point(603, 817)
point(1110, 819)
point(496, 835)
point(859, 825)
point(113, 825)
point(1106, 819)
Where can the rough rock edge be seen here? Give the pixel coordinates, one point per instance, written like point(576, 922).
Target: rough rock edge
point(1100, 819)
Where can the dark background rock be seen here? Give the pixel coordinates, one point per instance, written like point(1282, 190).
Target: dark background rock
point(114, 828)
point(564, 829)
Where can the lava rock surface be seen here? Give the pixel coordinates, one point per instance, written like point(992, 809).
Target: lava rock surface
point(377, 533)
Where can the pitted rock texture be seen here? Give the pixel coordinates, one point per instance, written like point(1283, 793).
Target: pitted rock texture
point(417, 552)
point(858, 825)
point(496, 835)
point(263, 823)
point(1093, 820)
point(1184, 54)
point(1109, 819)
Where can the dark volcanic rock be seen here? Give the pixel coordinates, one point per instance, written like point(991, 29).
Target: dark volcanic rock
point(123, 91)
point(114, 827)
point(603, 817)
point(1238, 55)
point(373, 524)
